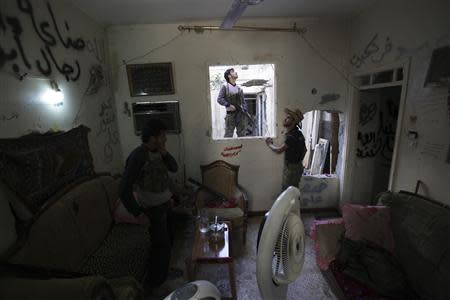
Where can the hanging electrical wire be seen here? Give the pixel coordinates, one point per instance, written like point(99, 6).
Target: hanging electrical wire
point(125, 62)
point(154, 49)
point(301, 31)
point(200, 29)
point(324, 58)
point(112, 69)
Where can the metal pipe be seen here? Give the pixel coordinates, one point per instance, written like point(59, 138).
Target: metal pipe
point(201, 29)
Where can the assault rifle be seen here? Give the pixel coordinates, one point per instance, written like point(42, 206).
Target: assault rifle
point(223, 202)
point(251, 125)
point(211, 191)
point(239, 108)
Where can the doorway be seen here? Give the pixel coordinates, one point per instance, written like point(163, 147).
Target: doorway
point(322, 129)
point(257, 109)
point(377, 128)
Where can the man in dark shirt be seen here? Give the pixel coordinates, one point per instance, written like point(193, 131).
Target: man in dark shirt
point(232, 97)
point(146, 176)
point(294, 148)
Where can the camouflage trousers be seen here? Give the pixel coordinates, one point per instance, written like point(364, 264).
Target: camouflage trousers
point(239, 121)
point(292, 173)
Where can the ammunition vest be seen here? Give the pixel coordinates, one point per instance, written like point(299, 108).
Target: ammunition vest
point(234, 99)
point(154, 174)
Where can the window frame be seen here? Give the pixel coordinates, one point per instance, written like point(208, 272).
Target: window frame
point(271, 132)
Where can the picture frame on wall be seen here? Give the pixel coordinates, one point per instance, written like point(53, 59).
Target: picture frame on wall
point(150, 79)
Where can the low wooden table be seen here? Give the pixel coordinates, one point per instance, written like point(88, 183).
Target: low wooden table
point(205, 252)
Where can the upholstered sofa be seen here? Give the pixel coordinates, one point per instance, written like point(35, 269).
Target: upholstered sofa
point(74, 248)
point(421, 251)
point(68, 246)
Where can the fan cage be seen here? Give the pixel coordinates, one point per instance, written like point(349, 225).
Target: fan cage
point(280, 260)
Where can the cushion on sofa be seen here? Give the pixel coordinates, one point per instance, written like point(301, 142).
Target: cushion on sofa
point(89, 287)
point(421, 230)
point(326, 235)
point(375, 267)
point(124, 252)
point(37, 166)
point(111, 187)
point(88, 203)
point(349, 288)
point(20, 172)
point(53, 242)
point(7, 221)
point(371, 223)
point(122, 216)
point(126, 288)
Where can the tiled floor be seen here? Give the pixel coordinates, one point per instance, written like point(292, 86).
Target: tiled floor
point(310, 285)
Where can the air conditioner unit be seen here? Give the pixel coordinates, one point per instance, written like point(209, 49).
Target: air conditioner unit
point(166, 111)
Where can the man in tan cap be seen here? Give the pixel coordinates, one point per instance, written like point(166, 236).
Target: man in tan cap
point(294, 148)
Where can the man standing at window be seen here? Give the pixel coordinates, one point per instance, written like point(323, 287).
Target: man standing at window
point(232, 97)
point(294, 148)
point(146, 174)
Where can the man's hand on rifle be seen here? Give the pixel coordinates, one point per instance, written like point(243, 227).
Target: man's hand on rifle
point(231, 108)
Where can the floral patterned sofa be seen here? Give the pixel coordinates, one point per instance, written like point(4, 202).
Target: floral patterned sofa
point(70, 247)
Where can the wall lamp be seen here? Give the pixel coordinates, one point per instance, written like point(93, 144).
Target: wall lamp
point(54, 96)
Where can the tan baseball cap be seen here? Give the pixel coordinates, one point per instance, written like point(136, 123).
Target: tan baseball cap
point(296, 114)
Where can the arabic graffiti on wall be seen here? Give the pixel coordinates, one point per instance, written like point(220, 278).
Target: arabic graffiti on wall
point(373, 51)
point(312, 191)
point(381, 140)
point(107, 129)
point(49, 33)
point(97, 49)
point(96, 80)
point(231, 151)
point(367, 113)
point(9, 117)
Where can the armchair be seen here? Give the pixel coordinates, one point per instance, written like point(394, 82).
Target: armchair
point(223, 178)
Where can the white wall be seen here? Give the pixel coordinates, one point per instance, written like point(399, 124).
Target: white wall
point(21, 109)
point(414, 29)
point(298, 71)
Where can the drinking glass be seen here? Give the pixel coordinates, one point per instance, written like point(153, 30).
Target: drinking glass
point(203, 220)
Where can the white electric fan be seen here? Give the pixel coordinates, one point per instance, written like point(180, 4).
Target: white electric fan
point(281, 246)
point(196, 290)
